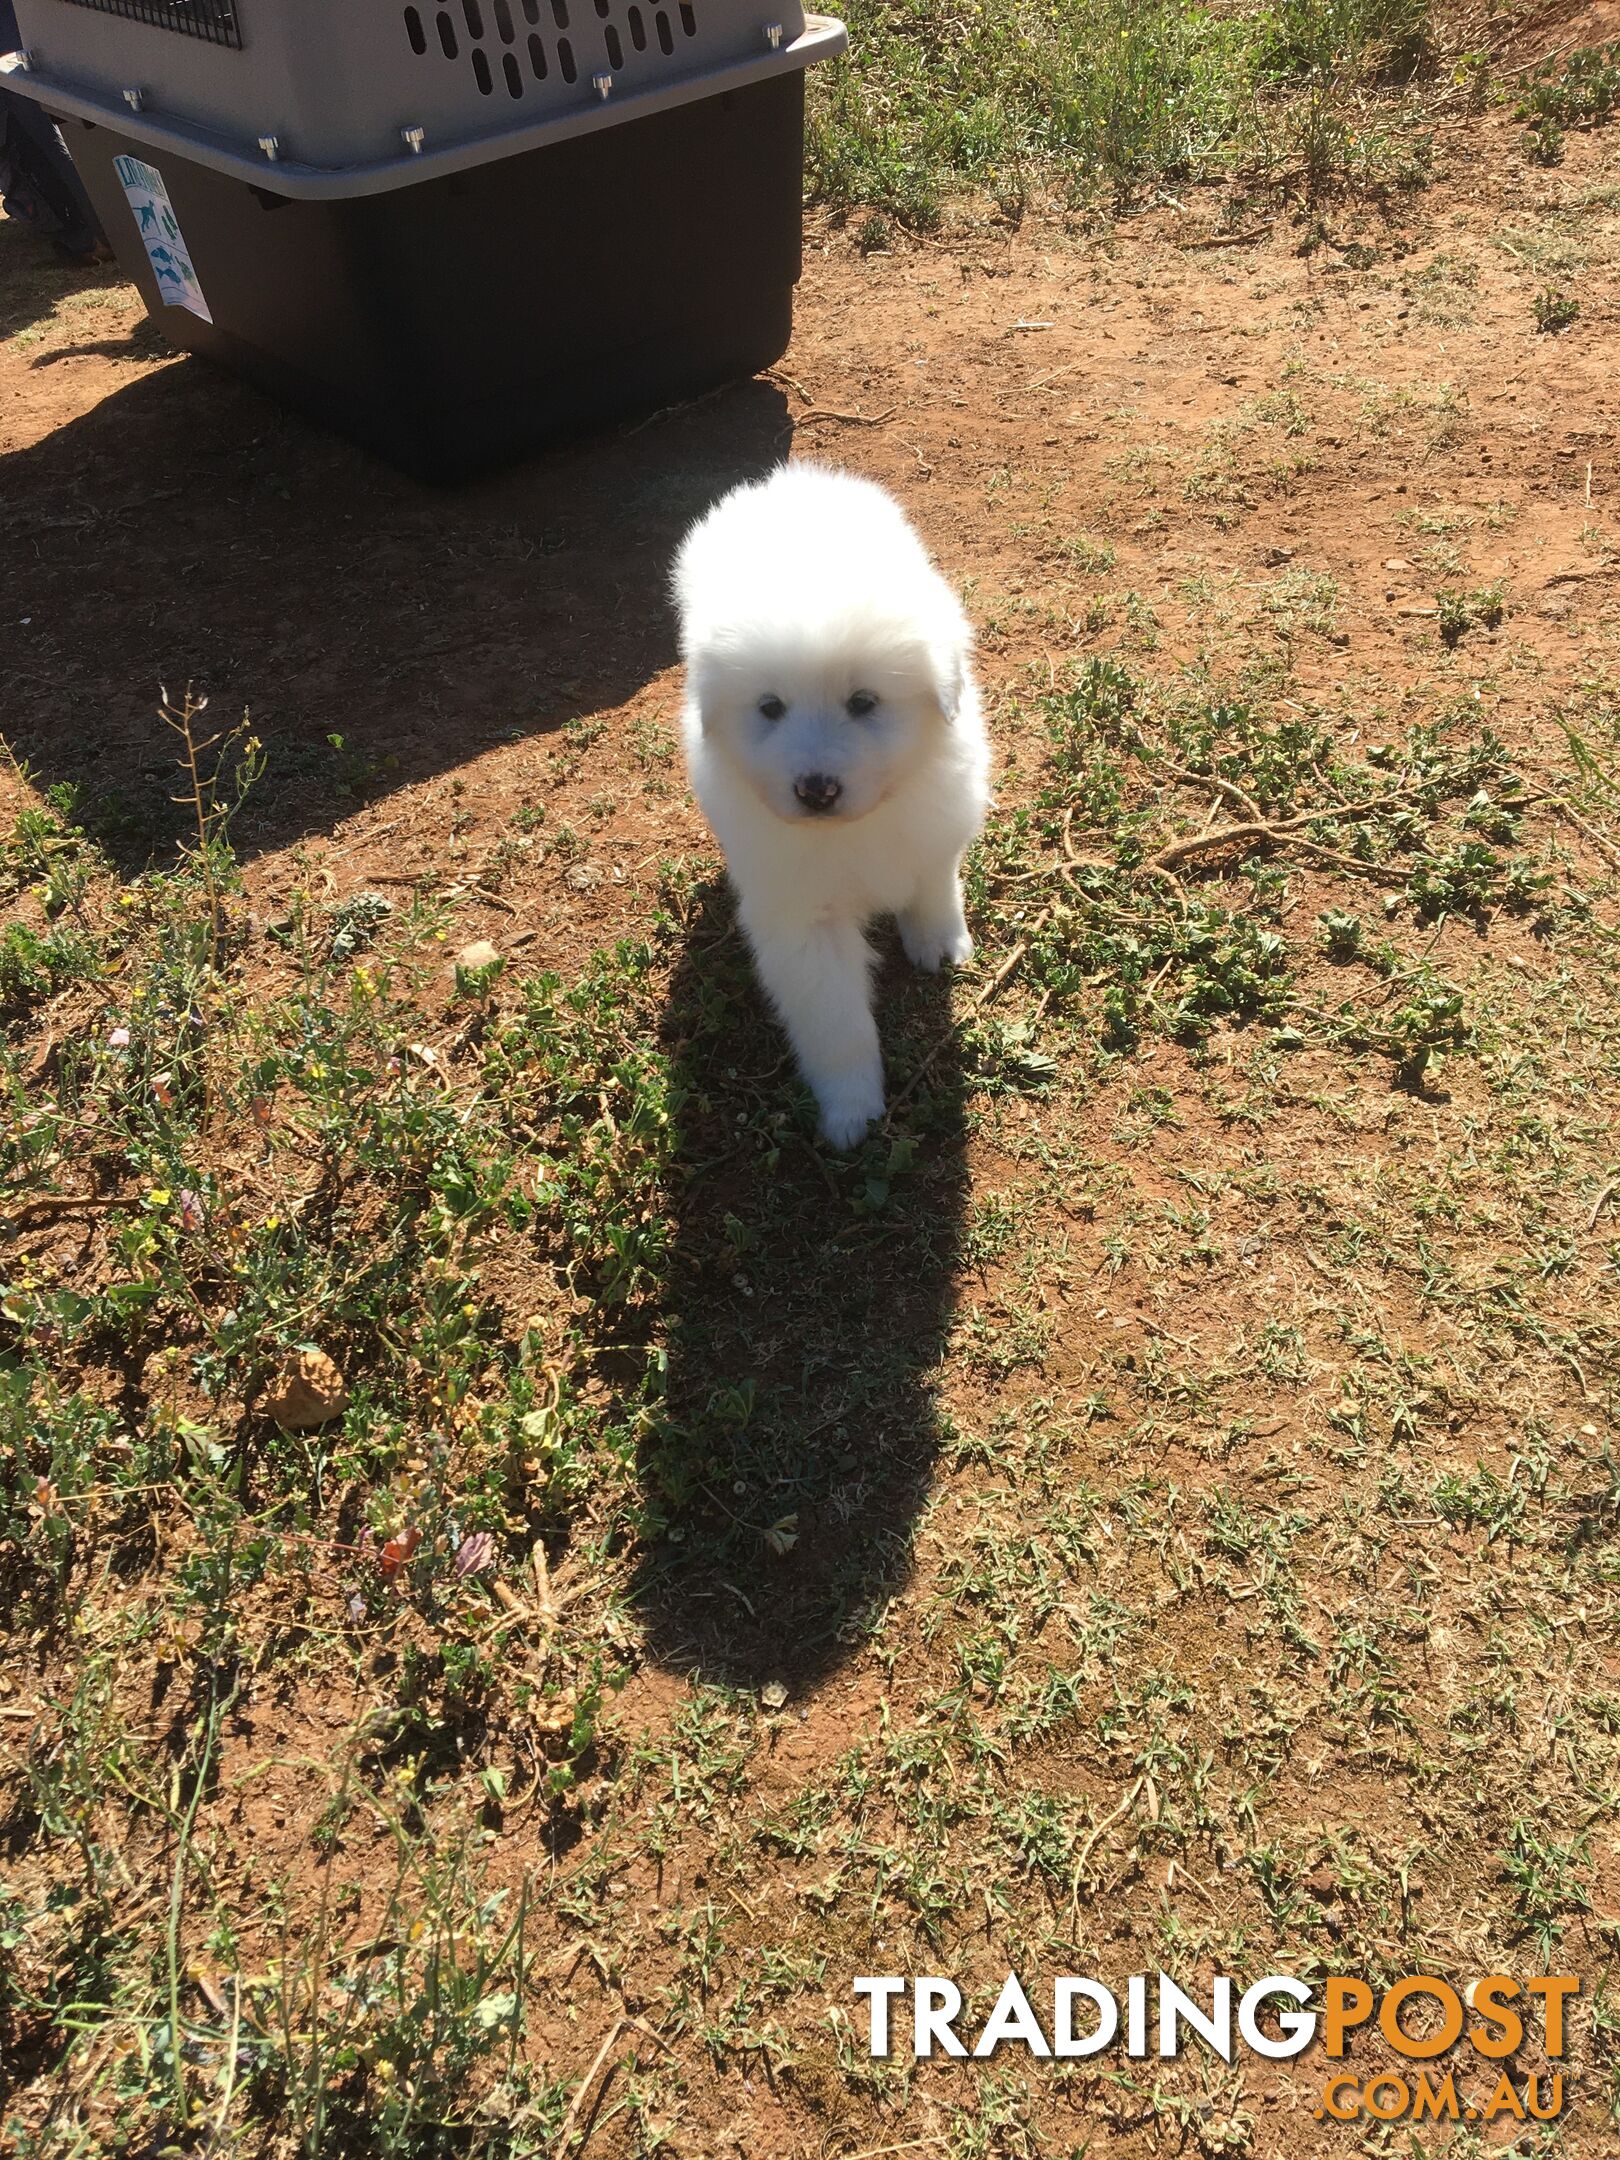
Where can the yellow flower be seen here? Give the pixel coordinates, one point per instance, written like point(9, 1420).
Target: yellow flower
point(159, 1196)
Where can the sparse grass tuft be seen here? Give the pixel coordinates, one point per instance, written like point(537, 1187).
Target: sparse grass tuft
point(1554, 310)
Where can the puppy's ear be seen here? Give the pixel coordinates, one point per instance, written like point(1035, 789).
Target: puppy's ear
point(948, 665)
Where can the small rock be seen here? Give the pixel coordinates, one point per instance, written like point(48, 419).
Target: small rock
point(307, 1391)
point(1396, 562)
point(773, 1694)
point(479, 954)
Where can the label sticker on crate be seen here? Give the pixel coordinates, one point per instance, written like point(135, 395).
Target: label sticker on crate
point(165, 244)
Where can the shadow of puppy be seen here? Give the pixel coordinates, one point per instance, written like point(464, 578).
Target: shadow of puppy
point(808, 1298)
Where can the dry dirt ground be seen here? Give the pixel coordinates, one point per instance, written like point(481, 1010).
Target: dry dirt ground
point(1259, 457)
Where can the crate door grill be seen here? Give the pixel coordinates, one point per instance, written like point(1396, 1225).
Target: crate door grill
point(212, 20)
point(520, 42)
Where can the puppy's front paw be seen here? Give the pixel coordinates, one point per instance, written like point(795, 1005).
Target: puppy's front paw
point(932, 944)
point(848, 1107)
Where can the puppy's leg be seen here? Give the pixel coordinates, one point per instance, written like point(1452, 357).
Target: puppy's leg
point(933, 928)
point(819, 979)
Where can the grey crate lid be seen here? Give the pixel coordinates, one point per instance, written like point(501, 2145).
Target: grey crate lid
point(348, 97)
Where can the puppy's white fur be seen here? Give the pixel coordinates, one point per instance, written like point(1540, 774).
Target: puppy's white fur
point(798, 595)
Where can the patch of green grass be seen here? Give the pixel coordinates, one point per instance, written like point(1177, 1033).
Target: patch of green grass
point(1108, 99)
point(1442, 292)
point(1087, 554)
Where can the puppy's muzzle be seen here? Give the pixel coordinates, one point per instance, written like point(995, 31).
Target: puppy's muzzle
point(818, 791)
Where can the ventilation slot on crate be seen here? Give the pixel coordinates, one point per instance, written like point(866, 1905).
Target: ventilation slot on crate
point(466, 27)
point(214, 21)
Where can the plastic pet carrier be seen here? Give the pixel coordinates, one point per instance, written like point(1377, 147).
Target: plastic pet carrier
point(449, 228)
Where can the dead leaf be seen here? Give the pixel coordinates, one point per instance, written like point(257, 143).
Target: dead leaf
point(398, 1550)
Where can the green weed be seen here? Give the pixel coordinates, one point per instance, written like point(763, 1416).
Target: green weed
point(1554, 310)
point(1582, 89)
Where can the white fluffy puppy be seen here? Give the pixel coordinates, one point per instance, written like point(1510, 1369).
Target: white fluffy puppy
point(835, 742)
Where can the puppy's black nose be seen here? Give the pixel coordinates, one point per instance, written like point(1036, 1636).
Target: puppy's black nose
point(817, 790)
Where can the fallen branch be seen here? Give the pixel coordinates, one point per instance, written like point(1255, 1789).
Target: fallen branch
point(1527, 67)
point(1215, 240)
point(624, 2019)
point(1605, 846)
point(1257, 831)
point(1090, 1845)
point(566, 2136)
point(854, 419)
point(54, 1204)
point(1228, 790)
point(1251, 836)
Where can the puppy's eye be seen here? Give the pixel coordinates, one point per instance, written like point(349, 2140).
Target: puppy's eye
point(861, 703)
point(771, 708)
